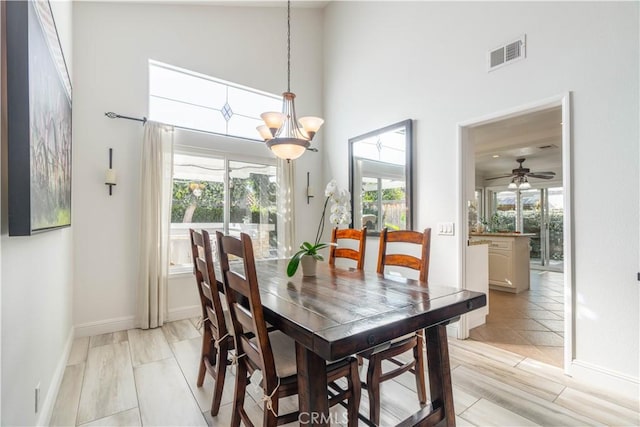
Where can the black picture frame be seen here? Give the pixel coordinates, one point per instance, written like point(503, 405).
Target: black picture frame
point(39, 121)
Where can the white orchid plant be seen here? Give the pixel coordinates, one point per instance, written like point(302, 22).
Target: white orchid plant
point(339, 213)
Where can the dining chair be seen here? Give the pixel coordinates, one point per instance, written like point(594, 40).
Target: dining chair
point(351, 234)
point(413, 342)
point(217, 336)
point(273, 354)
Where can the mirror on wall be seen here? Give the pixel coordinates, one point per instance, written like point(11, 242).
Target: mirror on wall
point(380, 178)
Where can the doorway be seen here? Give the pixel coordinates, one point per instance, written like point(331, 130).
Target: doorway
point(540, 210)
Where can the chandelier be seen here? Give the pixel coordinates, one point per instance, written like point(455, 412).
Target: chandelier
point(284, 134)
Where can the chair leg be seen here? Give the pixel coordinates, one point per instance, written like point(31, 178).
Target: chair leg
point(418, 355)
point(205, 353)
point(269, 419)
point(353, 405)
point(373, 387)
point(238, 398)
point(221, 371)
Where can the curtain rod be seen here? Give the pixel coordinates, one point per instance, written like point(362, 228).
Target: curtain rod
point(113, 115)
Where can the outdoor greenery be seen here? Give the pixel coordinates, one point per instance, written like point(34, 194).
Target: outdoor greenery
point(253, 200)
point(389, 196)
point(506, 221)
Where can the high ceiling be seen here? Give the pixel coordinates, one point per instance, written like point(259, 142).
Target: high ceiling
point(535, 136)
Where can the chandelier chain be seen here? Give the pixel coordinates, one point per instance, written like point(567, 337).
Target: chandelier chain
point(289, 46)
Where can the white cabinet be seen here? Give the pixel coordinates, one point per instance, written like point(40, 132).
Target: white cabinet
point(508, 261)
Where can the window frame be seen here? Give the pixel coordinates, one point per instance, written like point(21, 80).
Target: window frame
point(196, 75)
point(227, 158)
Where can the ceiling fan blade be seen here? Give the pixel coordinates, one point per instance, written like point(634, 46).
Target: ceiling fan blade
point(542, 175)
point(498, 177)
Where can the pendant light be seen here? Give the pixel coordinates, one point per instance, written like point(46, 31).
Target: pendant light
point(281, 130)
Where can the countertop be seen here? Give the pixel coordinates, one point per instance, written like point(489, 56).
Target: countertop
point(503, 234)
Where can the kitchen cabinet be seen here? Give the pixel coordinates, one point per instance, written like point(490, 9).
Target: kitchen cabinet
point(508, 260)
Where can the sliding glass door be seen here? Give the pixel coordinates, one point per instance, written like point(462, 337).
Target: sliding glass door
point(538, 211)
point(554, 256)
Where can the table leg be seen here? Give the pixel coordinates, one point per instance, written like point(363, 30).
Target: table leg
point(440, 372)
point(312, 388)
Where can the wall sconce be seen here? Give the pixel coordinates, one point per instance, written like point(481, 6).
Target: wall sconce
point(110, 175)
point(310, 192)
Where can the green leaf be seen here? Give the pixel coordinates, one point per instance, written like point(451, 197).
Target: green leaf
point(306, 245)
point(292, 267)
point(318, 257)
point(321, 246)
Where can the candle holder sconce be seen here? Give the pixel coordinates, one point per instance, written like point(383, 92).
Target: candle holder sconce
point(110, 175)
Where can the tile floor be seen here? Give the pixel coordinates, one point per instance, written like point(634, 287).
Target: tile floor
point(530, 323)
point(136, 377)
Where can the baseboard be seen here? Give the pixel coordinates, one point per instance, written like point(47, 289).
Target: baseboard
point(105, 326)
point(603, 378)
point(184, 313)
point(46, 410)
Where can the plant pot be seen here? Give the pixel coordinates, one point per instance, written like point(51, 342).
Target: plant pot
point(309, 264)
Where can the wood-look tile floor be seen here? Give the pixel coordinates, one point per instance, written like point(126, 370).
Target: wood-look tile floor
point(148, 378)
point(530, 323)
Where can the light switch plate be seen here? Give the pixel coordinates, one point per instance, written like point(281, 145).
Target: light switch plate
point(446, 229)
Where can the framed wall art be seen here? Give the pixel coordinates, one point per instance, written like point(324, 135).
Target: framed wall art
point(39, 121)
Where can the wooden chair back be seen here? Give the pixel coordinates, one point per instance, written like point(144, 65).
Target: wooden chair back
point(202, 256)
point(352, 234)
point(403, 260)
point(250, 327)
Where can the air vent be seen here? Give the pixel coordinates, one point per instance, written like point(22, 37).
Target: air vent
point(507, 53)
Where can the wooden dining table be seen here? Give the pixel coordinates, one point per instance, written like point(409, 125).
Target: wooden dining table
point(341, 312)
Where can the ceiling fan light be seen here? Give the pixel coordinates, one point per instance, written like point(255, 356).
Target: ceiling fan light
point(525, 186)
point(513, 185)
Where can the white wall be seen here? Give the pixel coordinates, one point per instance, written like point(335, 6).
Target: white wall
point(388, 61)
point(37, 280)
point(112, 44)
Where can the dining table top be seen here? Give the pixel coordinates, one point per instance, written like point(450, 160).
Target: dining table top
point(340, 312)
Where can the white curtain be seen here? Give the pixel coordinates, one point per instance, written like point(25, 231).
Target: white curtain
point(286, 213)
point(156, 179)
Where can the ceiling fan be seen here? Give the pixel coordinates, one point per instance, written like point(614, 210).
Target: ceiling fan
point(519, 176)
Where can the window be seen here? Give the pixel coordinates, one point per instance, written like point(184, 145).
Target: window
point(504, 215)
point(215, 190)
point(219, 194)
point(195, 101)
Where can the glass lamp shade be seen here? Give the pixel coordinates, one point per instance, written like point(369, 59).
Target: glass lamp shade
point(288, 148)
point(273, 120)
point(265, 133)
point(310, 125)
point(513, 185)
point(525, 185)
